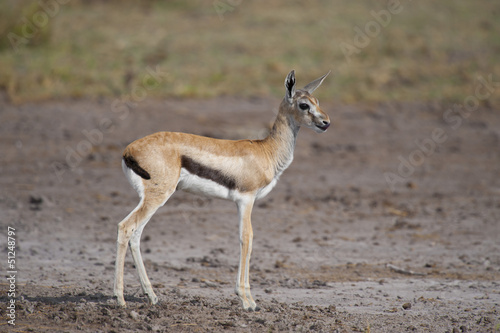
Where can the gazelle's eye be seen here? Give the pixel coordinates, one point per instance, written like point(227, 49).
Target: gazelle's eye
point(304, 106)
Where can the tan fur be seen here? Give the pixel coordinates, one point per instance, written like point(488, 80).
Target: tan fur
point(254, 165)
point(245, 158)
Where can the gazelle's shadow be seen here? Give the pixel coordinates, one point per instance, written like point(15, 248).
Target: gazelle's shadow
point(99, 298)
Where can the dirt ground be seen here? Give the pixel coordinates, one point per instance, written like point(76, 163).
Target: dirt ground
point(335, 249)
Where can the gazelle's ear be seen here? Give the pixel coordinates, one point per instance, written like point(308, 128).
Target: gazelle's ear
point(310, 87)
point(290, 86)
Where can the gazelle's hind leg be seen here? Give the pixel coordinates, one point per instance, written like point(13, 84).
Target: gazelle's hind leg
point(135, 248)
point(130, 229)
point(132, 225)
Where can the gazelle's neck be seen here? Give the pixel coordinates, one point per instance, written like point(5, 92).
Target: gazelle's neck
point(281, 140)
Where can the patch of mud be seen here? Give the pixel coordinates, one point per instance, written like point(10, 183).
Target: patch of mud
point(335, 249)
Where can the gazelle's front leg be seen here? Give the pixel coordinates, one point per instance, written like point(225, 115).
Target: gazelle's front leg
point(246, 237)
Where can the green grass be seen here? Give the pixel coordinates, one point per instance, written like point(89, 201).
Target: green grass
point(430, 51)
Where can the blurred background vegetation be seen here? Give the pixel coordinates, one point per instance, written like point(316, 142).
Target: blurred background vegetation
point(431, 51)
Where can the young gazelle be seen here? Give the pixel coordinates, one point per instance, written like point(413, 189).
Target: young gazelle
point(242, 171)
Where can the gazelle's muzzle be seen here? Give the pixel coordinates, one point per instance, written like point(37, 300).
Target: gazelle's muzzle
point(324, 126)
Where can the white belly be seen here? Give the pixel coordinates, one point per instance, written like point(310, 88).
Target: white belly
point(194, 184)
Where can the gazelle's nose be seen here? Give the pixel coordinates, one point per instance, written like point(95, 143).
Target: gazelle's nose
point(325, 125)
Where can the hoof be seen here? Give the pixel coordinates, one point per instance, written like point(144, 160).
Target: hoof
point(252, 309)
point(153, 300)
point(120, 300)
point(121, 304)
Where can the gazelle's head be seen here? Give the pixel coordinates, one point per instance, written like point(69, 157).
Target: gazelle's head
point(303, 106)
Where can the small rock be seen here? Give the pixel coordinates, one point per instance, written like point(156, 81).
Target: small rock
point(411, 185)
point(260, 321)
point(35, 202)
point(407, 306)
point(134, 315)
point(156, 328)
point(209, 284)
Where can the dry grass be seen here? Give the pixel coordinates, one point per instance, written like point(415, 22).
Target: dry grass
point(429, 51)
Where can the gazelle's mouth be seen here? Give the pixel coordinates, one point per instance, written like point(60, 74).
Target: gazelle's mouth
point(324, 127)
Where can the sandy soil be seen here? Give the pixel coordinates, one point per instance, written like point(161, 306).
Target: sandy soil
point(335, 250)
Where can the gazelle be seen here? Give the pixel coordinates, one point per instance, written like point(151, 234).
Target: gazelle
point(242, 171)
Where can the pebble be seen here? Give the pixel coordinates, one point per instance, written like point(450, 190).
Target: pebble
point(134, 315)
point(209, 284)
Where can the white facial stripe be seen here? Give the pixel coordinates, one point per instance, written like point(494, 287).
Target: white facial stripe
point(305, 101)
point(312, 106)
point(312, 101)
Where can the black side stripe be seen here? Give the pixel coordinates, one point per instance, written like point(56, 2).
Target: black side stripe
point(132, 164)
point(203, 171)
